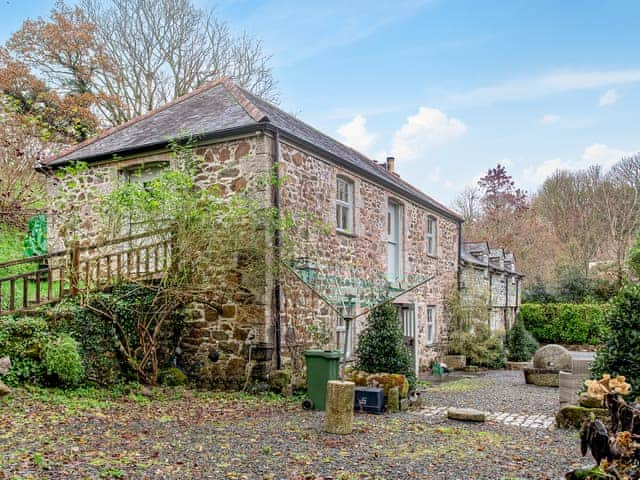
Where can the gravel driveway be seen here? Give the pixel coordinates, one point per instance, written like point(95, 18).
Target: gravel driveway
point(183, 434)
point(495, 391)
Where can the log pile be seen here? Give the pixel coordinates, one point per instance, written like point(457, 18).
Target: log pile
point(616, 449)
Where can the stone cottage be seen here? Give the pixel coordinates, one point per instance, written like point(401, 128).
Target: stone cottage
point(488, 278)
point(380, 225)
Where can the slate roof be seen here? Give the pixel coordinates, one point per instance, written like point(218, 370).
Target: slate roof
point(222, 108)
point(470, 250)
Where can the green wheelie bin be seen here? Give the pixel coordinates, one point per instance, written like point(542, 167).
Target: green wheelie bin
point(322, 366)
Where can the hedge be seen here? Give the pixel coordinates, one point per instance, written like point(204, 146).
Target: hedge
point(566, 323)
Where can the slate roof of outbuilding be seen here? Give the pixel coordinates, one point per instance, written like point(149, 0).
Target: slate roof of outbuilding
point(469, 248)
point(221, 108)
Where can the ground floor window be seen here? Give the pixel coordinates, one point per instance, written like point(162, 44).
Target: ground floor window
point(430, 325)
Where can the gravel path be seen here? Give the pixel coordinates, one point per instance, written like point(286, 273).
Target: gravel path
point(182, 434)
point(496, 391)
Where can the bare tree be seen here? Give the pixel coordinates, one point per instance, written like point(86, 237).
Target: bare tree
point(568, 201)
point(161, 49)
point(618, 205)
point(468, 203)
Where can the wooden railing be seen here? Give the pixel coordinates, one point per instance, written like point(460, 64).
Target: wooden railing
point(30, 282)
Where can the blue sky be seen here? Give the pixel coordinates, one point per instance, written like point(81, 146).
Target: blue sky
point(451, 87)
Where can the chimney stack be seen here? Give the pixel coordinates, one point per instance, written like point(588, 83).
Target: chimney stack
point(391, 164)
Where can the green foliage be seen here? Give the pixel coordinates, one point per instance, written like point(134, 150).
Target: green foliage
point(172, 377)
point(470, 334)
point(380, 345)
point(35, 243)
point(565, 323)
point(573, 285)
point(98, 343)
point(633, 260)
point(520, 343)
point(62, 361)
point(621, 351)
point(23, 340)
point(479, 345)
point(537, 293)
point(96, 338)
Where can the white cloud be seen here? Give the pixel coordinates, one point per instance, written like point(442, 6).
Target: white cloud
point(608, 98)
point(427, 129)
point(601, 154)
point(549, 119)
point(543, 85)
point(596, 154)
point(354, 133)
point(537, 174)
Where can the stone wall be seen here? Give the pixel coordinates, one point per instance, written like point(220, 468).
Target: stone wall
point(310, 186)
point(216, 345)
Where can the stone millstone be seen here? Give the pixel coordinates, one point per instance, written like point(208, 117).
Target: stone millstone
point(5, 365)
point(466, 414)
point(554, 357)
point(339, 411)
point(4, 390)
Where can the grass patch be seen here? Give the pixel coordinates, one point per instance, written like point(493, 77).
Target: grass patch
point(462, 385)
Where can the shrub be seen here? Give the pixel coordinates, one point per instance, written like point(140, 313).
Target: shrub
point(565, 323)
point(520, 343)
point(23, 340)
point(380, 345)
point(61, 360)
point(96, 340)
point(481, 347)
point(619, 355)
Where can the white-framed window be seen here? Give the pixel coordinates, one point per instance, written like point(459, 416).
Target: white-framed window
point(394, 246)
point(432, 235)
point(143, 174)
point(430, 325)
point(344, 205)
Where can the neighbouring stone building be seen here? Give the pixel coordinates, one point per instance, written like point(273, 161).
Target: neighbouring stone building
point(380, 226)
point(488, 278)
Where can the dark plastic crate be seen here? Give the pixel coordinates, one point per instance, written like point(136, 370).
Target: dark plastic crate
point(369, 399)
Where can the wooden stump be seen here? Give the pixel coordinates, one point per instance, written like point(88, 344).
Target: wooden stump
point(339, 413)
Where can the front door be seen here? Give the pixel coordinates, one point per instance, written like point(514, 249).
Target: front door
point(407, 315)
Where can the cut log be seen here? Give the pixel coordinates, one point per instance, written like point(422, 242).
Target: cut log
point(339, 413)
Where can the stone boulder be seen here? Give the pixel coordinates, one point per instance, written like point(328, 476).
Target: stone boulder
point(5, 365)
point(574, 416)
point(542, 377)
point(553, 357)
point(4, 390)
point(466, 414)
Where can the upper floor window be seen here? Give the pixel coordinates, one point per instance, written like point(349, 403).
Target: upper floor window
point(344, 205)
point(143, 174)
point(432, 235)
point(394, 242)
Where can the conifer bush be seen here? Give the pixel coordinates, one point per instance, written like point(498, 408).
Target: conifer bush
point(380, 346)
point(621, 352)
point(520, 343)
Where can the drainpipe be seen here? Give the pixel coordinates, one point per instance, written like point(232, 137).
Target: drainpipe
point(459, 255)
point(277, 243)
point(506, 300)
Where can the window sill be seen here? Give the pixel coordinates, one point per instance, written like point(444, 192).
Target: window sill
point(346, 233)
point(432, 255)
